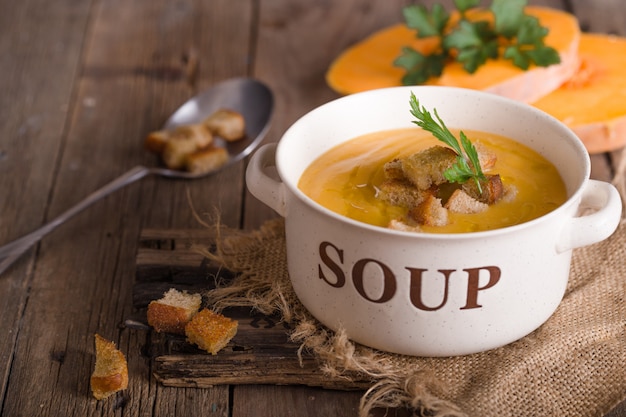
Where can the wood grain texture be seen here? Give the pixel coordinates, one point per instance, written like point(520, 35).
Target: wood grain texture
point(285, 401)
point(604, 16)
point(299, 35)
point(82, 83)
point(134, 71)
point(39, 59)
point(260, 352)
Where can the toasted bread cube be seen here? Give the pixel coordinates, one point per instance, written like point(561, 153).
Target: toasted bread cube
point(430, 212)
point(177, 150)
point(206, 160)
point(182, 142)
point(198, 133)
point(393, 170)
point(426, 168)
point(510, 193)
point(403, 226)
point(155, 141)
point(492, 189)
point(486, 157)
point(461, 202)
point(210, 331)
point(110, 373)
point(401, 193)
point(173, 311)
point(227, 124)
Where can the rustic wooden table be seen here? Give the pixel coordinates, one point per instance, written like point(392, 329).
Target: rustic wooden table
point(81, 83)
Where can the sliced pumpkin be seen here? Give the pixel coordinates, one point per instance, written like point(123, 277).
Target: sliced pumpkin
point(369, 64)
point(593, 102)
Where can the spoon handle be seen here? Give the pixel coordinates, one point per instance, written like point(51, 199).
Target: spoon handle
point(10, 252)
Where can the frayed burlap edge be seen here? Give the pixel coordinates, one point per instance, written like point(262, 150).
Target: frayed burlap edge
point(264, 285)
point(267, 289)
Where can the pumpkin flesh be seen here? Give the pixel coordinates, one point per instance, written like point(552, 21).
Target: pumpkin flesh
point(592, 102)
point(369, 64)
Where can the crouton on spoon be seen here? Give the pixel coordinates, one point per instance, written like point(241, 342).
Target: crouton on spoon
point(250, 98)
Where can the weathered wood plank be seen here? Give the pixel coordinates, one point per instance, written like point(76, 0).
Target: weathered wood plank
point(180, 251)
point(134, 71)
point(34, 49)
point(290, 33)
point(285, 401)
point(260, 353)
point(82, 82)
point(245, 369)
point(600, 16)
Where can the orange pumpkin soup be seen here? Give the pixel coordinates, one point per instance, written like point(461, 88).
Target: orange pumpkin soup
point(347, 180)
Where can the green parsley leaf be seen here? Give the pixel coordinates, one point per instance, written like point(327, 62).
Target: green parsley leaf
point(544, 55)
point(514, 34)
point(475, 43)
point(530, 31)
point(419, 67)
point(529, 47)
point(426, 23)
point(460, 172)
point(472, 155)
point(467, 165)
point(508, 16)
point(519, 57)
point(464, 5)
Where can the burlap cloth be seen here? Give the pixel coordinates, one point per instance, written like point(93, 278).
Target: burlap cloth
point(573, 365)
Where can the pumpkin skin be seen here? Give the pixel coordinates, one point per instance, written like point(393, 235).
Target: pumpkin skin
point(593, 102)
point(369, 65)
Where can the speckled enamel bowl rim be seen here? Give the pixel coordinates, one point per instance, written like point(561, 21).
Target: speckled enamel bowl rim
point(567, 135)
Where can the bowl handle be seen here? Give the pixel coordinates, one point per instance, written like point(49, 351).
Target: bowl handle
point(600, 224)
point(267, 189)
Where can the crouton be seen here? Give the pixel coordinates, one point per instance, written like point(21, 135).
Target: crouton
point(182, 142)
point(510, 192)
point(403, 226)
point(393, 170)
point(206, 160)
point(461, 202)
point(176, 150)
point(210, 331)
point(227, 124)
point(198, 133)
point(492, 189)
point(401, 193)
point(173, 311)
point(426, 168)
point(155, 141)
point(430, 212)
point(486, 158)
point(191, 146)
point(110, 373)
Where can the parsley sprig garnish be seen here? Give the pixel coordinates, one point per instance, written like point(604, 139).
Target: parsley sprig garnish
point(518, 36)
point(467, 165)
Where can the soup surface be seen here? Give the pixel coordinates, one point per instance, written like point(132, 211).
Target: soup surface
point(345, 180)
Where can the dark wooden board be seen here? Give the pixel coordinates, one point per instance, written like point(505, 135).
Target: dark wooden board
point(260, 353)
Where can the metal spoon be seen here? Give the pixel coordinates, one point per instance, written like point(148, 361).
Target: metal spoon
point(249, 97)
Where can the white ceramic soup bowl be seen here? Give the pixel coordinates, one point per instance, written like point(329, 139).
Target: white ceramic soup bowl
point(430, 294)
